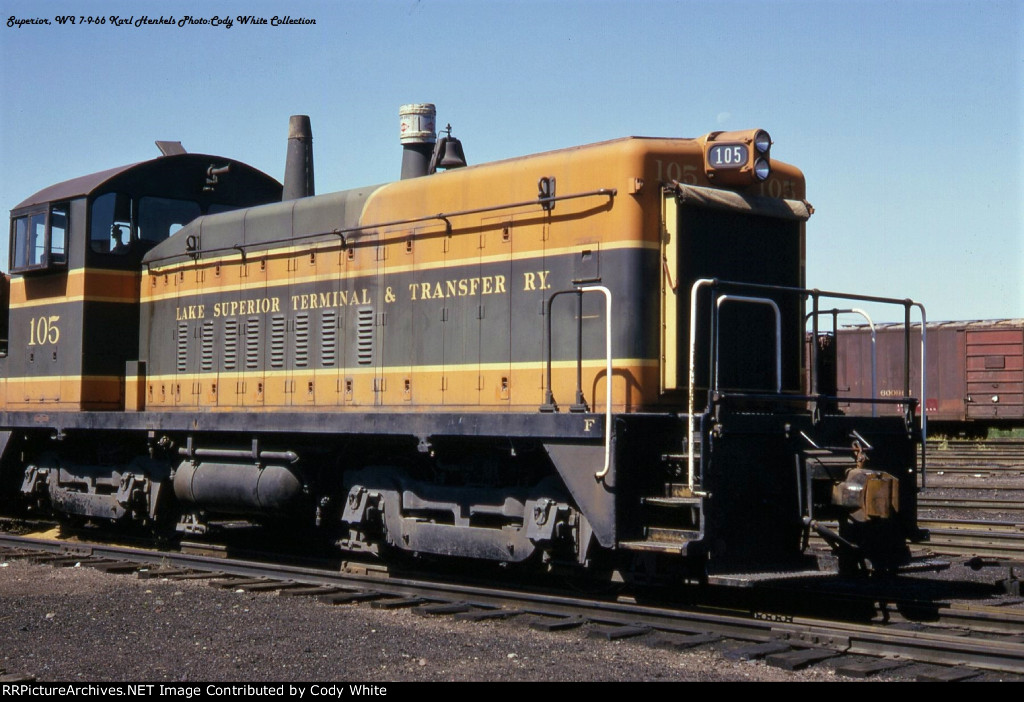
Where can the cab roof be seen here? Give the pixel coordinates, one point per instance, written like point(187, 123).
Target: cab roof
point(134, 173)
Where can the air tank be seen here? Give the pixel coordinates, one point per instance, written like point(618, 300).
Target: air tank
point(237, 488)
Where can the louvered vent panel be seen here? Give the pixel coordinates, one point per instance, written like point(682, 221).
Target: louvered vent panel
point(230, 344)
point(364, 336)
point(328, 338)
point(252, 343)
point(207, 345)
point(302, 340)
point(182, 341)
point(277, 337)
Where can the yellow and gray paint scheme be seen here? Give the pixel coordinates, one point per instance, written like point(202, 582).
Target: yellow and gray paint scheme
point(522, 325)
point(428, 293)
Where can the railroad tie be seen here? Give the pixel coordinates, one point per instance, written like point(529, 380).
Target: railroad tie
point(112, 567)
point(675, 642)
point(799, 659)
point(350, 597)
point(430, 610)
point(398, 603)
point(147, 574)
point(753, 652)
point(237, 583)
point(944, 674)
point(614, 633)
point(557, 623)
point(865, 669)
point(309, 591)
point(479, 615)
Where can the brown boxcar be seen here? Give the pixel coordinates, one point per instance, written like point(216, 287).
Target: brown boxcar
point(975, 376)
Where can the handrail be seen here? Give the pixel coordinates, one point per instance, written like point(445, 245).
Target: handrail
point(816, 295)
point(691, 405)
point(874, 346)
point(714, 282)
point(342, 233)
point(608, 376)
point(549, 397)
point(924, 395)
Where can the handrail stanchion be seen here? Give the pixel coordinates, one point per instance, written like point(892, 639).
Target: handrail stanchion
point(691, 408)
point(814, 346)
point(549, 398)
point(608, 373)
point(874, 346)
point(924, 394)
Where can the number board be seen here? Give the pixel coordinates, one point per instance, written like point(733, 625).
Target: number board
point(728, 156)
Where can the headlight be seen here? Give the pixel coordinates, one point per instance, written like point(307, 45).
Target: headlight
point(762, 141)
point(762, 169)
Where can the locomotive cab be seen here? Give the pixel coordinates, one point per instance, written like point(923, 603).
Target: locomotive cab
point(75, 257)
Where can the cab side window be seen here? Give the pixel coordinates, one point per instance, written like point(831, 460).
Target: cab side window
point(39, 239)
point(59, 233)
point(5, 312)
point(120, 223)
point(110, 226)
point(160, 217)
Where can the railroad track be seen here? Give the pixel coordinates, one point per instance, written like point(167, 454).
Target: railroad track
point(975, 504)
point(1011, 476)
point(785, 640)
point(969, 537)
point(975, 468)
point(992, 542)
point(1007, 454)
point(1013, 488)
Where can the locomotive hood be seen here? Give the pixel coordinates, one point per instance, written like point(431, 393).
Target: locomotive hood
point(309, 219)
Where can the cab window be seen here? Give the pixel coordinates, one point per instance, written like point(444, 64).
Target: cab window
point(159, 217)
point(110, 227)
point(39, 239)
point(59, 233)
point(120, 222)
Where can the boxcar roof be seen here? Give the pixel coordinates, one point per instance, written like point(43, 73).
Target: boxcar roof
point(959, 324)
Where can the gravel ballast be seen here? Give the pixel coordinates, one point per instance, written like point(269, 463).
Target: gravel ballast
point(81, 625)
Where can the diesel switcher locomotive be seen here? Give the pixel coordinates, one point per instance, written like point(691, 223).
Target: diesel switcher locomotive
point(602, 357)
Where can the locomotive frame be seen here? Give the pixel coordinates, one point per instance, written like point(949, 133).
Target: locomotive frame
point(590, 357)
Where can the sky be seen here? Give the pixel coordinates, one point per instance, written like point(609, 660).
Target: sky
point(906, 116)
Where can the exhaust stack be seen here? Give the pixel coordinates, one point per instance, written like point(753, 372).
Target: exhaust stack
point(417, 134)
point(298, 167)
